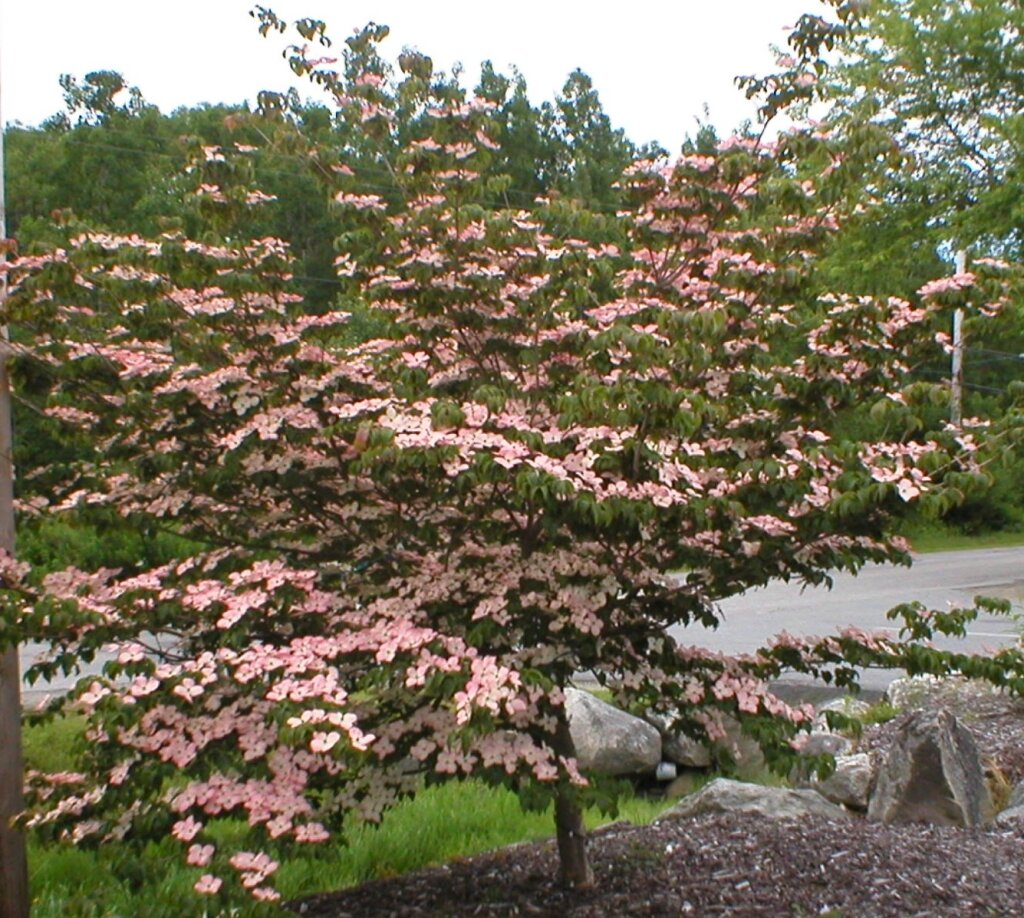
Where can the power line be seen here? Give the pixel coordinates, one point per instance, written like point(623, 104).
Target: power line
point(978, 387)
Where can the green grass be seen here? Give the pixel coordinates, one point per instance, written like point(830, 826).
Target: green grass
point(441, 823)
point(112, 882)
point(932, 538)
point(879, 713)
point(52, 746)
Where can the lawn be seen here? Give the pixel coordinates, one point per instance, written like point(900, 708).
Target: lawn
point(928, 539)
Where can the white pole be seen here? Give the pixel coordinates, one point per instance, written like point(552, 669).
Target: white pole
point(956, 407)
point(13, 861)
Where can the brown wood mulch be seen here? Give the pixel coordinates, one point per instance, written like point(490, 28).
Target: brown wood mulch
point(721, 866)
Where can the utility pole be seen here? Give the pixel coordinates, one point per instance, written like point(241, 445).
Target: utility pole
point(13, 860)
point(956, 402)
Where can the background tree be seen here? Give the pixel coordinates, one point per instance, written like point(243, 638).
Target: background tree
point(590, 154)
point(924, 96)
point(947, 81)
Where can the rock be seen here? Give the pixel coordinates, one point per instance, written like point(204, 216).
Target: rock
point(678, 747)
point(609, 740)
point(1011, 816)
point(825, 744)
point(912, 691)
point(849, 784)
point(963, 697)
point(682, 750)
point(726, 796)
point(1014, 812)
point(746, 755)
point(813, 745)
point(685, 784)
point(846, 705)
point(932, 773)
point(747, 760)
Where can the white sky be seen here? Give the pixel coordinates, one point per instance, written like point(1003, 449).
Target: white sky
point(654, 64)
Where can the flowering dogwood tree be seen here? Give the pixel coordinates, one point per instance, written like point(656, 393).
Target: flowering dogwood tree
point(396, 554)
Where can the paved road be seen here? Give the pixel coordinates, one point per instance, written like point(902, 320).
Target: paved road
point(751, 619)
point(40, 692)
point(935, 580)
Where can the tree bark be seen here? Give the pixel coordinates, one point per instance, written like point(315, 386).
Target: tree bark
point(574, 864)
point(14, 902)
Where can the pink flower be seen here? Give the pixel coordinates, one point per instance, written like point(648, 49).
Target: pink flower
point(200, 855)
point(324, 742)
point(947, 284)
point(907, 489)
point(186, 829)
point(208, 885)
point(311, 833)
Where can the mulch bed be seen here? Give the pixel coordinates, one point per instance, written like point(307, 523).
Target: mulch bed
point(721, 865)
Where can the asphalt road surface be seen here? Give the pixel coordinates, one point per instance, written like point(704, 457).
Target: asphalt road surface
point(753, 618)
point(937, 580)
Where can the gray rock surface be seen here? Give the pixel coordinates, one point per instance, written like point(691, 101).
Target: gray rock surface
point(748, 760)
point(678, 747)
point(850, 783)
point(608, 740)
point(847, 705)
point(1011, 816)
point(932, 773)
point(727, 796)
point(825, 744)
point(1014, 812)
point(956, 693)
point(688, 782)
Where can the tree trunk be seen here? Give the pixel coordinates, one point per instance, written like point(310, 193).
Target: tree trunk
point(14, 900)
point(574, 865)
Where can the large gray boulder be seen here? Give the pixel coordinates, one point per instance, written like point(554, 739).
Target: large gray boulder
point(849, 784)
point(608, 740)
point(724, 795)
point(932, 773)
point(677, 747)
point(744, 751)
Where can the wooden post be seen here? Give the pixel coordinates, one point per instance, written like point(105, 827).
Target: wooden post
point(13, 860)
point(956, 402)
